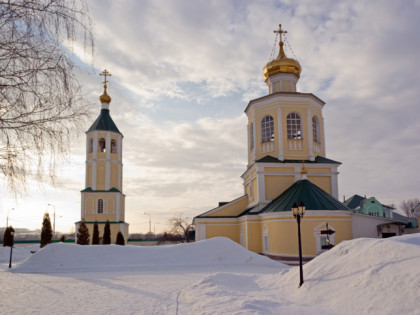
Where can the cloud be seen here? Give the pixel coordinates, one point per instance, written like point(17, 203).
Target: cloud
point(184, 71)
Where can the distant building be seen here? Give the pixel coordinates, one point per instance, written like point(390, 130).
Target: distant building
point(102, 198)
point(369, 206)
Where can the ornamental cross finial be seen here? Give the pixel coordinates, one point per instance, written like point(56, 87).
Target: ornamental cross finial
point(105, 73)
point(280, 32)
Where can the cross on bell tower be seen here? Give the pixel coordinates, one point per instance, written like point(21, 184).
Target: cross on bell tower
point(279, 31)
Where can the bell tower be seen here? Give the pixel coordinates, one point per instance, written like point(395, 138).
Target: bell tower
point(285, 130)
point(103, 198)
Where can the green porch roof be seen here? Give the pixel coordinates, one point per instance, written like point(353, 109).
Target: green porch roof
point(104, 122)
point(318, 159)
point(310, 194)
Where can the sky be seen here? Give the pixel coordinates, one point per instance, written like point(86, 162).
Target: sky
point(184, 71)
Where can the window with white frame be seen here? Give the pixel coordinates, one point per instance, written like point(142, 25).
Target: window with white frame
point(90, 145)
point(251, 135)
point(266, 239)
point(100, 206)
point(294, 126)
point(102, 145)
point(315, 129)
point(113, 146)
point(267, 129)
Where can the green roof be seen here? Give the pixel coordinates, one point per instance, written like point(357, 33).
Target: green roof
point(310, 194)
point(89, 189)
point(354, 201)
point(318, 159)
point(104, 122)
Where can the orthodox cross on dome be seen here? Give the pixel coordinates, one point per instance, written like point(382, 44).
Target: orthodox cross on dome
point(105, 98)
point(279, 31)
point(105, 73)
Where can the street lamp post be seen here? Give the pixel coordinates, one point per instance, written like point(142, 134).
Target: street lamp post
point(12, 235)
point(150, 222)
point(53, 219)
point(7, 218)
point(298, 212)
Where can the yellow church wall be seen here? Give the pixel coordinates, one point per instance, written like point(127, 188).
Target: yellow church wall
point(89, 175)
point(91, 203)
point(283, 233)
point(279, 169)
point(276, 184)
point(254, 235)
point(225, 229)
point(114, 175)
point(100, 175)
point(318, 170)
point(235, 208)
point(324, 182)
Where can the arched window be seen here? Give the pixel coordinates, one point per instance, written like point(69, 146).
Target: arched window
point(90, 145)
point(102, 144)
point(251, 135)
point(113, 146)
point(100, 206)
point(267, 129)
point(315, 129)
point(294, 126)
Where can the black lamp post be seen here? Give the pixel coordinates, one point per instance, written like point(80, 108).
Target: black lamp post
point(12, 233)
point(298, 212)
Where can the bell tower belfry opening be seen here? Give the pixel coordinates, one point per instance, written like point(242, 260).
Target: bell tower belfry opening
point(103, 198)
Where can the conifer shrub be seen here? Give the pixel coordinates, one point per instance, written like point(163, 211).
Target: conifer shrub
point(46, 231)
point(83, 237)
point(95, 236)
point(107, 233)
point(120, 239)
point(7, 237)
point(62, 238)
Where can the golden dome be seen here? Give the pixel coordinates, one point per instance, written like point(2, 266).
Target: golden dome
point(105, 98)
point(282, 64)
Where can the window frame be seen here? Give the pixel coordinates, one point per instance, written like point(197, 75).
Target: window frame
point(102, 145)
point(100, 206)
point(316, 135)
point(294, 126)
point(267, 129)
point(113, 146)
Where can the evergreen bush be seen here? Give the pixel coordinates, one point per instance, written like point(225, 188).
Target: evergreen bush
point(120, 239)
point(95, 236)
point(46, 231)
point(107, 233)
point(7, 237)
point(83, 237)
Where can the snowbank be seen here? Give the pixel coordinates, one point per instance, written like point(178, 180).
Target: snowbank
point(62, 257)
point(377, 276)
point(18, 254)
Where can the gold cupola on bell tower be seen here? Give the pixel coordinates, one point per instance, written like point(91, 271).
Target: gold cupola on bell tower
point(282, 73)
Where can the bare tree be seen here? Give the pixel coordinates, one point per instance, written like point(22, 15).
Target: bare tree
point(182, 227)
point(41, 104)
point(407, 207)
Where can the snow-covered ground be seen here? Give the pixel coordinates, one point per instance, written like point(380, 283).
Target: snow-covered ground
point(216, 276)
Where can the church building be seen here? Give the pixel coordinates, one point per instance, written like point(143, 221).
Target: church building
point(287, 164)
point(103, 198)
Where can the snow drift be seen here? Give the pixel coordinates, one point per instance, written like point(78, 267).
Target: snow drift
point(62, 257)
